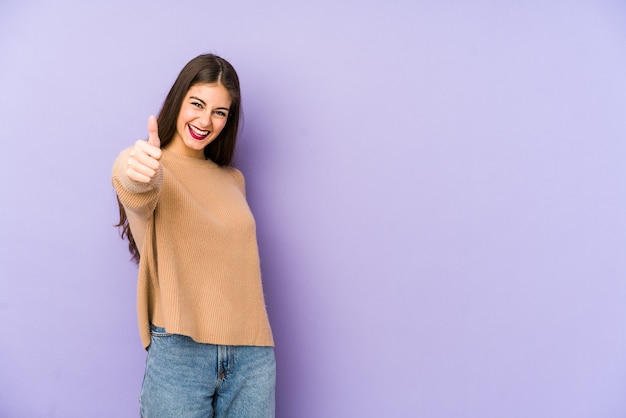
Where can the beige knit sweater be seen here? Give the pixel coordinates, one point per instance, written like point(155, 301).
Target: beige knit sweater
point(199, 272)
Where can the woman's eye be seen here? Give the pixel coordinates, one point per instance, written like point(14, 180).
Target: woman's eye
point(196, 104)
point(221, 113)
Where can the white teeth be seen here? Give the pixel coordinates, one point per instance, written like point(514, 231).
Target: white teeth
point(198, 131)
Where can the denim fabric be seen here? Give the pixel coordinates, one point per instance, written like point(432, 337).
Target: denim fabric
point(186, 379)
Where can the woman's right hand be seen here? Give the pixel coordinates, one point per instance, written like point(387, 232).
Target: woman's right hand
point(143, 160)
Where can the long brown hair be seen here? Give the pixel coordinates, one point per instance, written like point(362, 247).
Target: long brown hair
point(207, 68)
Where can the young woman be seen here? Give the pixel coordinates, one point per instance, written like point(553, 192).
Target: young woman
point(183, 208)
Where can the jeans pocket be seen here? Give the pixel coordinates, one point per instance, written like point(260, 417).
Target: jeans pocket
point(158, 331)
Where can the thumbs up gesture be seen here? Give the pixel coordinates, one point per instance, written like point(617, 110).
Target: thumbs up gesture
point(143, 159)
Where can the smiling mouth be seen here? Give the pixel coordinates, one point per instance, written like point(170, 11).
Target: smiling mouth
point(197, 134)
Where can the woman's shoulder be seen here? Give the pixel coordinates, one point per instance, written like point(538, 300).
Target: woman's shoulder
point(238, 176)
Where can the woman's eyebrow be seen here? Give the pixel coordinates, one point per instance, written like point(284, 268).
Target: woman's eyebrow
point(198, 99)
point(204, 103)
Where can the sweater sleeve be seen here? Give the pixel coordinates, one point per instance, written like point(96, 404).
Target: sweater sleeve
point(140, 198)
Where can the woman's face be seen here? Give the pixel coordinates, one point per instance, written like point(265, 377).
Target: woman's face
point(203, 114)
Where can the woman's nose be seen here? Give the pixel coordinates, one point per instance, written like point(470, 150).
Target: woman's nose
point(206, 120)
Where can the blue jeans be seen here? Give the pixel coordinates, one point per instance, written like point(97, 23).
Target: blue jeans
point(186, 379)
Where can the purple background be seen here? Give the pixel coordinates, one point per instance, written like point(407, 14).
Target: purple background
point(439, 189)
